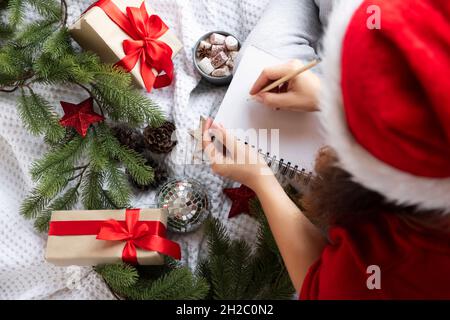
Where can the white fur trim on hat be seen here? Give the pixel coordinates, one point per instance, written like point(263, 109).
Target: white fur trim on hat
point(396, 185)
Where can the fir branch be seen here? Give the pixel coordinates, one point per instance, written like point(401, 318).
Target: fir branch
point(58, 44)
point(203, 270)
point(221, 277)
point(265, 236)
point(68, 68)
point(91, 190)
point(6, 31)
point(97, 155)
point(42, 222)
point(49, 9)
point(67, 200)
point(168, 282)
point(218, 239)
point(235, 272)
point(117, 76)
point(80, 174)
point(119, 191)
point(118, 275)
point(16, 11)
point(228, 267)
point(69, 134)
point(109, 202)
point(38, 116)
point(99, 104)
point(268, 263)
point(218, 269)
point(34, 34)
point(15, 66)
point(240, 269)
point(52, 183)
point(133, 161)
point(33, 205)
point(64, 202)
point(122, 102)
point(135, 164)
point(59, 157)
point(178, 284)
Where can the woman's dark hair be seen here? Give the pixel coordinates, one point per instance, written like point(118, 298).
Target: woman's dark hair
point(335, 199)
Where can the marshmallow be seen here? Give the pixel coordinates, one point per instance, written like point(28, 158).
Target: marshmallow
point(206, 66)
point(221, 72)
point(204, 45)
point(216, 48)
point(233, 55)
point(231, 43)
point(216, 38)
point(219, 59)
point(230, 63)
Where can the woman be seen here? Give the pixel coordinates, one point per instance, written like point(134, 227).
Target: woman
point(383, 186)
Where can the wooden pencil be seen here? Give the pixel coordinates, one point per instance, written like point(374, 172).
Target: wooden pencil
point(288, 77)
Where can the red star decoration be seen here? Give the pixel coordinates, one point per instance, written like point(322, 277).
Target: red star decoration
point(240, 197)
point(80, 116)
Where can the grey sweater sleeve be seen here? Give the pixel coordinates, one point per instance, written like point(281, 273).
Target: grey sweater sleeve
point(291, 28)
point(325, 7)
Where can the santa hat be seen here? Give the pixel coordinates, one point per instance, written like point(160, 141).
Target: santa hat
point(386, 97)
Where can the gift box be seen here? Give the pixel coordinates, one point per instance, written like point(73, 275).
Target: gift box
point(126, 33)
point(93, 237)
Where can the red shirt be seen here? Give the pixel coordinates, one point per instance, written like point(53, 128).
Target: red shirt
point(413, 264)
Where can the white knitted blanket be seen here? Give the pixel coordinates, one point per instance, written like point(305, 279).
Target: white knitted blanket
point(23, 272)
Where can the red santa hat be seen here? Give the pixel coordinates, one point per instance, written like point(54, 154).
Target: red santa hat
point(386, 97)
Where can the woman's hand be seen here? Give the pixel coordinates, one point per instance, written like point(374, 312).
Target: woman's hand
point(299, 94)
point(240, 163)
point(300, 242)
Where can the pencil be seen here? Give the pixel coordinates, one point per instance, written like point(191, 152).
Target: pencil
point(288, 77)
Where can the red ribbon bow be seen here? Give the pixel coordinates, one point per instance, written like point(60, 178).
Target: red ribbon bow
point(137, 235)
point(144, 45)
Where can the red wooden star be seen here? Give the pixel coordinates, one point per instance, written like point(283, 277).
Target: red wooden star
point(240, 197)
point(80, 116)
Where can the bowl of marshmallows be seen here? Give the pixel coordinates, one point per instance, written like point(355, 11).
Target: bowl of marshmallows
point(214, 56)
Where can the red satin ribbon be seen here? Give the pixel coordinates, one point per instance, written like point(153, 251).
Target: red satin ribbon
point(144, 45)
point(147, 235)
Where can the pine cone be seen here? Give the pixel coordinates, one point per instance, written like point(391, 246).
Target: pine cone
point(159, 140)
point(132, 138)
point(160, 174)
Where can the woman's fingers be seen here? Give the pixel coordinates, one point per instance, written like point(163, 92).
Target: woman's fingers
point(273, 73)
point(214, 137)
point(206, 138)
point(224, 143)
point(208, 146)
point(224, 140)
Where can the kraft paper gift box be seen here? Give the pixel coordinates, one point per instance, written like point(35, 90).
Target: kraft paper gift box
point(95, 31)
point(73, 237)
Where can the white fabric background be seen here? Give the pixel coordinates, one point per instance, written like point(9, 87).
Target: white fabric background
point(23, 272)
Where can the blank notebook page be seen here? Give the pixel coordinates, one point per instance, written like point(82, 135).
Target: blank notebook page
point(300, 134)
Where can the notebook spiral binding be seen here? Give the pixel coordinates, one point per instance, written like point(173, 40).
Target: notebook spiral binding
point(286, 169)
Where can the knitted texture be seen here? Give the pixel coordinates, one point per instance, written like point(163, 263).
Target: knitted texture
point(24, 274)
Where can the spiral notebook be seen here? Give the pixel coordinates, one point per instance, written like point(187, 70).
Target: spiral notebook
point(300, 135)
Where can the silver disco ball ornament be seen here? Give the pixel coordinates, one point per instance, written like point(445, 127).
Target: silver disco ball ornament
point(186, 202)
